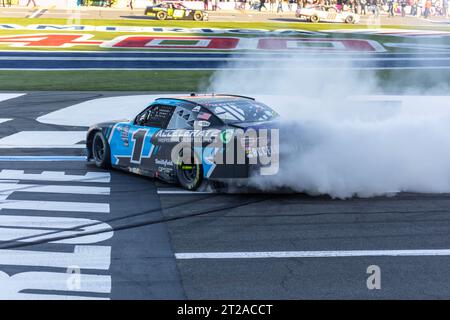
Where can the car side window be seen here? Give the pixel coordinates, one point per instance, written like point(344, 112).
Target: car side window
point(157, 116)
point(140, 118)
point(184, 118)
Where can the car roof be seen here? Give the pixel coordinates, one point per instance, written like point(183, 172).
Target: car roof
point(204, 100)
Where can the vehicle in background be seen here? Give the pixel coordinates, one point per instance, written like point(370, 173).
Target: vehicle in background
point(327, 14)
point(175, 10)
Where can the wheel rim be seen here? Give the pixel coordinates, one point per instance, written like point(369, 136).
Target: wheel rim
point(189, 172)
point(98, 149)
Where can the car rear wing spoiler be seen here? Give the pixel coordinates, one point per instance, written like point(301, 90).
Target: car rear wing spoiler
point(234, 95)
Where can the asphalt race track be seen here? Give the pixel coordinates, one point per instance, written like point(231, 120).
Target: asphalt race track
point(133, 237)
point(35, 60)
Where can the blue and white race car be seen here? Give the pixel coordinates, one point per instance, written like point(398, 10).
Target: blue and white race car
point(188, 140)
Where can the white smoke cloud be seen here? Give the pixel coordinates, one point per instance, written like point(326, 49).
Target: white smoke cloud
point(337, 144)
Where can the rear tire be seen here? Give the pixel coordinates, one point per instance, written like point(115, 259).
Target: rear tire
point(100, 151)
point(314, 18)
point(190, 175)
point(219, 186)
point(161, 15)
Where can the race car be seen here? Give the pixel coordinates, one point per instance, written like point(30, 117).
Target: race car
point(188, 140)
point(327, 14)
point(175, 10)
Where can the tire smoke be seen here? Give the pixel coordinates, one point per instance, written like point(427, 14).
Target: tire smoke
point(341, 136)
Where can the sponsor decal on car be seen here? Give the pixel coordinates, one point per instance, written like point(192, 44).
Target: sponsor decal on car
point(182, 134)
point(124, 134)
point(263, 151)
point(163, 162)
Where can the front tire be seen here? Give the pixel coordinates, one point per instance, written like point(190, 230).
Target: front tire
point(198, 16)
point(100, 151)
point(190, 175)
point(349, 19)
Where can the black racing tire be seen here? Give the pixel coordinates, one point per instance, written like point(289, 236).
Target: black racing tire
point(161, 15)
point(350, 19)
point(198, 16)
point(190, 176)
point(100, 151)
point(219, 186)
point(314, 18)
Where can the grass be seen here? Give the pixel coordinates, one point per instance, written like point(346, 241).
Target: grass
point(268, 25)
point(176, 81)
point(103, 80)
point(178, 23)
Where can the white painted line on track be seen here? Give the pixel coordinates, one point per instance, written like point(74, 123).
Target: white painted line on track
point(16, 228)
point(7, 187)
point(44, 139)
point(4, 120)
point(179, 191)
point(313, 254)
point(53, 277)
point(63, 206)
point(42, 146)
point(90, 257)
point(15, 287)
point(7, 96)
point(100, 177)
point(42, 158)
